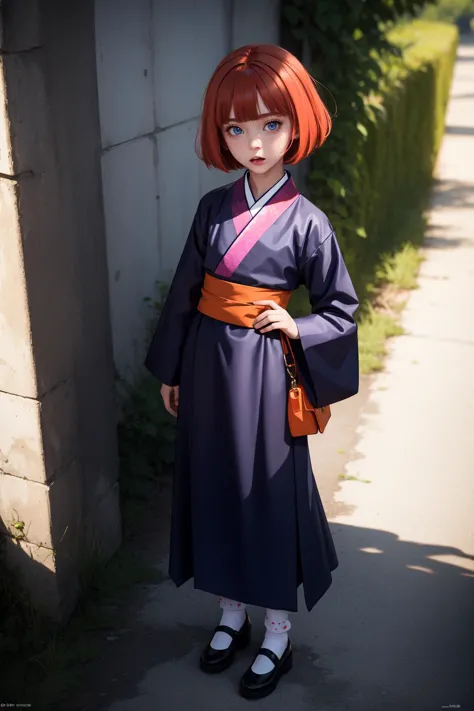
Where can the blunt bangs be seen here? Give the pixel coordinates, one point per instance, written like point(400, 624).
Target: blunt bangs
point(240, 89)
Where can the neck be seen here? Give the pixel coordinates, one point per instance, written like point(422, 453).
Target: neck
point(261, 182)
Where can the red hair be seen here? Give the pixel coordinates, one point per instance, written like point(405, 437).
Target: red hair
point(286, 88)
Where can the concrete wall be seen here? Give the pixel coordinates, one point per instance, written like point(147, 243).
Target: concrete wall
point(58, 454)
point(154, 59)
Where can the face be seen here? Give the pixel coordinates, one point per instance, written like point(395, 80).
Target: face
point(267, 137)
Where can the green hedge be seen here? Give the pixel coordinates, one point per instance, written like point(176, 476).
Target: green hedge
point(448, 10)
point(400, 137)
point(403, 138)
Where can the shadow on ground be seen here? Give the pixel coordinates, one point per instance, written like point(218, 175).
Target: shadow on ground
point(382, 585)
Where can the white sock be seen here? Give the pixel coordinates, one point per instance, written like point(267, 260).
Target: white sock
point(276, 639)
point(233, 616)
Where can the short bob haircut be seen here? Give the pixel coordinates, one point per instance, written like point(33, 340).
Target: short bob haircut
point(286, 89)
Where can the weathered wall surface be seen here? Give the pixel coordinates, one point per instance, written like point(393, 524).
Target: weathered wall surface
point(154, 59)
point(58, 460)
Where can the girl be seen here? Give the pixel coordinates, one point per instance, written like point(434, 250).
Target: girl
point(247, 519)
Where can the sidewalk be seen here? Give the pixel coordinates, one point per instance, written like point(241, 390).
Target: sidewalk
point(395, 630)
point(399, 623)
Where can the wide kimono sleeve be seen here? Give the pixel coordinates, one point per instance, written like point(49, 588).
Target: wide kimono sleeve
point(164, 356)
point(328, 346)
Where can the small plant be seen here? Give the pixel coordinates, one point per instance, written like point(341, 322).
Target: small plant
point(18, 529)
point(401, 268)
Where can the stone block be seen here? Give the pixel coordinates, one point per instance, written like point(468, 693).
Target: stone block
point(16, 356)
point(20, 28)
point(50, 146)
point(131, 217)
point(189, 40)
point(178, 188)
point(209, 179)
point(38, 439)
point(58, 413)
point(48, 243)
point(51, 513)
point(124, 69)
point(27, 112)
point(21, 446)
point(28, 502)
point(6, 164)
point(255, 22)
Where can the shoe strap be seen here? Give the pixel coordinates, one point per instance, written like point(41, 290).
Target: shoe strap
point(228, 630)
point(271, 655)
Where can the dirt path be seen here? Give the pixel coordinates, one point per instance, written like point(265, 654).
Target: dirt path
point(397, 632)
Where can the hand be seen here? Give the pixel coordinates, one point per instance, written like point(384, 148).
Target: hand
point(275, 317)
point(170, 395)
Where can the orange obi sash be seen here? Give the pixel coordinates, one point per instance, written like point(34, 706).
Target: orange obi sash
point(232, 303)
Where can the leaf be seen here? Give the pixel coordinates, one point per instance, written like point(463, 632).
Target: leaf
point(360, 232)
point(336, 187)
point(362, 129)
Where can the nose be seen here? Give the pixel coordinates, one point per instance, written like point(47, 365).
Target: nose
point(255, 141)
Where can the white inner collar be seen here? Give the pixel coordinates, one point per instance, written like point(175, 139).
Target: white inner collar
point(256, 205)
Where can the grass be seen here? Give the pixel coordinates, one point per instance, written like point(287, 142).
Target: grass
point(374, 331)
point(395, 275)
point(400, 270)
point(350, 477)
point(44, 662)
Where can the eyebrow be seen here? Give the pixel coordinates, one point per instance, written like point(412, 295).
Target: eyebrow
point(270, 113)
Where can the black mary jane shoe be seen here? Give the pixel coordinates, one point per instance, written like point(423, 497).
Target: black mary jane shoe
point(213, 660)
point(257, 686)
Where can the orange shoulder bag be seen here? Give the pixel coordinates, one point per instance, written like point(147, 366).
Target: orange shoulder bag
point(303, 418)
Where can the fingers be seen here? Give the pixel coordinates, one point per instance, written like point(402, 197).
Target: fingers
point(267, 302)
point(170, 395)
point(273, 317)
point(169, 408)
point(268, 317)
point(273, 326)
point(175, 397)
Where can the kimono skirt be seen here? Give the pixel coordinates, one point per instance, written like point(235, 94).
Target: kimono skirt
point(247, 519)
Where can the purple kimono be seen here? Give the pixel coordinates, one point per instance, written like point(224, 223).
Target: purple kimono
point(247, 519)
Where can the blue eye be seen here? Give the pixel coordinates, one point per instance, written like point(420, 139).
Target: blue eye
point(231, 130)
point(274, 124)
